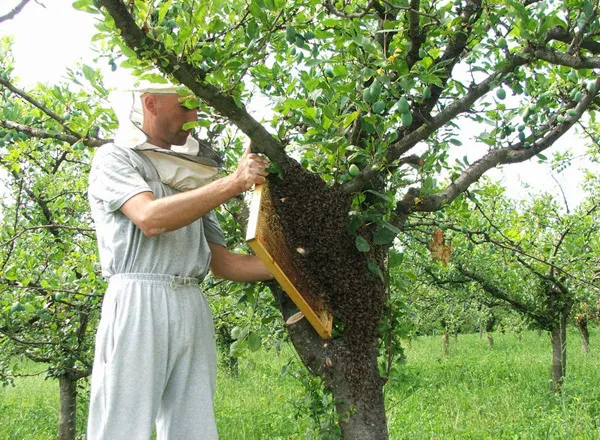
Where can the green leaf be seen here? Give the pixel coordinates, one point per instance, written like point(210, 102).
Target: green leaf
point(254, 341)
point(349, 119)
point(163, 10)
point(362, 244)
point(374, 269)
point(383, 236)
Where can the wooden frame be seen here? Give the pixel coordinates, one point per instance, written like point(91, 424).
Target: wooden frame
point(259, 240)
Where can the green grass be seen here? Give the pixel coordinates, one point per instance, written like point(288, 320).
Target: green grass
point(479, 392)
point(476, 392)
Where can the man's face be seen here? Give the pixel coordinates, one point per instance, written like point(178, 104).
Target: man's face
point(169, 117)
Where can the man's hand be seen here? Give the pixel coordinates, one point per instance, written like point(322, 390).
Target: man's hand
point(251, 169)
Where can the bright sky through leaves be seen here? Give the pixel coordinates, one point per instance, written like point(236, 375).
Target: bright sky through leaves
point(51, 37)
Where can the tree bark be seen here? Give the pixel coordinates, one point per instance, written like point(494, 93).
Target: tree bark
point(558, 335)
point(361, 415)
point(489, 329)
point(585, 335)
point(360, 405)
point(68, 407)
point(445, 342)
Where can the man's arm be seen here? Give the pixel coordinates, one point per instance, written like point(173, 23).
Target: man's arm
point(236, 267)
point(155, 216)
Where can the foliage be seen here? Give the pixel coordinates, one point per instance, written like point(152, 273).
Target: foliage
point(50, 286)
point(373, 97)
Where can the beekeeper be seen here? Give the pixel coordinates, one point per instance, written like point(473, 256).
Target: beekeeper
point(151, 198)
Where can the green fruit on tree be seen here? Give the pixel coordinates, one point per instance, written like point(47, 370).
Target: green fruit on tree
point(407, 118)
point(353, 170)
point(501, 93)
point(521, 127)
point(427, 92)
point(379, 107)
point(572, 112)
point(521, 136)
point(591, 87)
point(375, 89)
point(329, 72)
point(502, 43)
point(368, 97)
point(403, 106)
point(578, 96)
point(560, 119)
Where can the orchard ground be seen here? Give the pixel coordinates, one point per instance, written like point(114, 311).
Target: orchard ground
point(476, 392)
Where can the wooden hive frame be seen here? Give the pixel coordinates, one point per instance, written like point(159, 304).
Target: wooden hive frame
point(265, 237)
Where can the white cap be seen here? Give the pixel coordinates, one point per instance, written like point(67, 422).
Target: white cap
point(127, 105)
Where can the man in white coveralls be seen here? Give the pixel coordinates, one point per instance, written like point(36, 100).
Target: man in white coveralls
point(155, 358)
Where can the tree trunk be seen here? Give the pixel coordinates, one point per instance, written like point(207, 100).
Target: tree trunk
point(582, 325)
point(349, 369)
point(445, 342)
point(68, 408)
point(480, 331)
point(489, 328)
point(558, 336)
point(361, 414)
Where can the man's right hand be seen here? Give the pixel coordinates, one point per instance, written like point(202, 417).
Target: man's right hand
point(251, 169)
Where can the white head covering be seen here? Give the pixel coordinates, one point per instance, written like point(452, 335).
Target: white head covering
point(128, 107)
point(182, 166)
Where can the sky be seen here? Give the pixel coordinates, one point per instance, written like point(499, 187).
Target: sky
point(50, 38)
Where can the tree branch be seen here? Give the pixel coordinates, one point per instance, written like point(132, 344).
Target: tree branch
point(14, 11)
point(43, 134)
point(194, 78)
point(561, 34)
point(564, 59)
point(506, 155)
point(498, 293)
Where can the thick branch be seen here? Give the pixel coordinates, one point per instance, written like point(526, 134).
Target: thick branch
point(506, 155)
point(424, 131)
point(564, 59)
point(194, 78)
point(561, 34)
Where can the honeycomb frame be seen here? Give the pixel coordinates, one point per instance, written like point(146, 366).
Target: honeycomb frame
point(265, 237)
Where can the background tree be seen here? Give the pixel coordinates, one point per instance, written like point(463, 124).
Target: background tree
point(50, 288)
point(534, 258)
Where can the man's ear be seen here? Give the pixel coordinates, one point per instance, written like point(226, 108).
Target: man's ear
point(149, 103)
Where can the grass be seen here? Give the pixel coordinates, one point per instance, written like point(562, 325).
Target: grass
point(476, 392)
point(499, 392)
